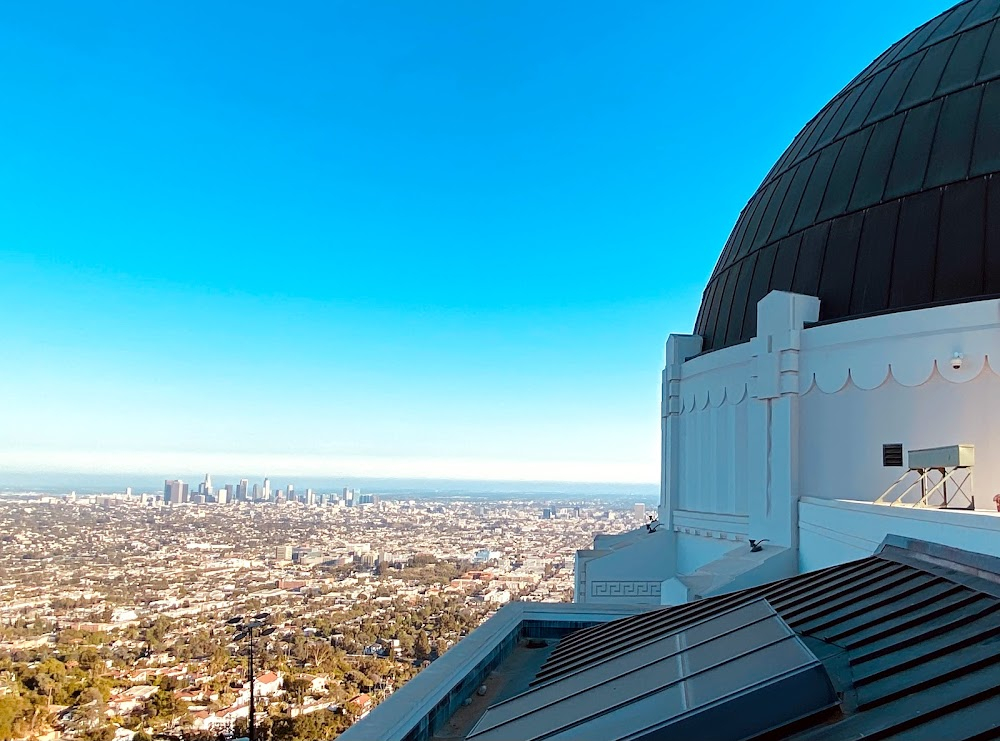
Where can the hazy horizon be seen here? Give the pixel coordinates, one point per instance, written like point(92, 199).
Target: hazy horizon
point(82, 483)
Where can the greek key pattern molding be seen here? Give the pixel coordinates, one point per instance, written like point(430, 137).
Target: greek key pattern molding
point(625, 589)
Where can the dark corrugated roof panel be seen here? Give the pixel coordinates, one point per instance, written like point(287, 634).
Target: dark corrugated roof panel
point(682, 684)
point(911, 637)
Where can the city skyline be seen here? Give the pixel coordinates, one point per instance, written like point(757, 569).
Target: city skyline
point(439, 242)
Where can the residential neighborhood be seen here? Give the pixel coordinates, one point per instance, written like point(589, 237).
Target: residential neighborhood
point(117, 610)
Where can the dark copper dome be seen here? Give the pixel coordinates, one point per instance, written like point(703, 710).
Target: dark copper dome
point(887, 199)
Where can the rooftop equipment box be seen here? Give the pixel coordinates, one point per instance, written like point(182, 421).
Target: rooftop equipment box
point(949, 456)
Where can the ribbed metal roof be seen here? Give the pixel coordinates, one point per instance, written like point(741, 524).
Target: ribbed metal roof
point(911, 638)
point(887, 199)
point(682, 684)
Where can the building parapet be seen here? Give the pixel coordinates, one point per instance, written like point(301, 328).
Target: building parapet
point(432, 697)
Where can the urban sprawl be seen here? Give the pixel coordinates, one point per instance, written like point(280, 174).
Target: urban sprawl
point(117, 611)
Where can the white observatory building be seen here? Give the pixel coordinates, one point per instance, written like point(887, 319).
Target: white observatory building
point(849, 337)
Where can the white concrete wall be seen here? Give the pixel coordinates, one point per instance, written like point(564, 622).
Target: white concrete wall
point(731, 426)
point(749, 430)
point(889, 379)
point(832, 532)
point(713, 460)
point(805, 411)
point(842, 433)
point(630, 572)
point(694, 551)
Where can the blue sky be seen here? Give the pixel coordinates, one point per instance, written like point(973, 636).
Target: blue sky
point(442, 239)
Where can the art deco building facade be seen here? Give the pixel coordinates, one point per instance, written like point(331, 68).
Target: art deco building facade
point(852, 318)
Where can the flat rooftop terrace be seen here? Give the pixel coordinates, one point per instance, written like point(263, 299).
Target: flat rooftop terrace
point(511, 678)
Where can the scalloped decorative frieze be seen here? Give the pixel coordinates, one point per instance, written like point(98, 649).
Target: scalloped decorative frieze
point(831, 375)
point(715, 395)
point(727, 382)
point(872, 373)
point(913, 375)
point(906, 348)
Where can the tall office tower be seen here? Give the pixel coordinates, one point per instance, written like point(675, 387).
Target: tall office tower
point(207, 486)
point(223, 495)
point(229, 494)
point(310, 497)
point(128, 492)
point(291, 492)
point(256, 492)
point(283, 553)
point(639, 510)
point(185, 492)
point(172, 491)
point(267, 489)
point(241, 491)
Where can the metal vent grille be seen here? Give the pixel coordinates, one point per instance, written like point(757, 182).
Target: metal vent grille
point(892, 455)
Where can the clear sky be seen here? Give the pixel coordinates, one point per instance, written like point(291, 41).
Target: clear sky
point(443, 239)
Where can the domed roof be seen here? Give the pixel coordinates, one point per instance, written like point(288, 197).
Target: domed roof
point(888, 199)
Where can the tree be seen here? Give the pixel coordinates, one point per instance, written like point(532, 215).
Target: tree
point(11, 707)
point(164, 705)
point(91, 662)
point(422, 646)
point(219, 660)
point(441, 645)
point(298, 688)
point(88, 712)
point(318, 652)
point(317, 726)
point(101, 733)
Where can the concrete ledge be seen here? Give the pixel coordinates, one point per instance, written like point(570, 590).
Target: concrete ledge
point(966, 518)
point(832, 531)
point(424, 704)
point(738, 569)
point(711, 524)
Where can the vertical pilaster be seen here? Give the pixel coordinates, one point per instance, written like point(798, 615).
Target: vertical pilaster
point(773, 422)
point(679, 349)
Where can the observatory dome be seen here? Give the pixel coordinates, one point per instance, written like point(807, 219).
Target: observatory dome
point(888, 199)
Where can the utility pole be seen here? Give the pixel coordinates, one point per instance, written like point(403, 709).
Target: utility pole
point(253, 711)
point(245, 629)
